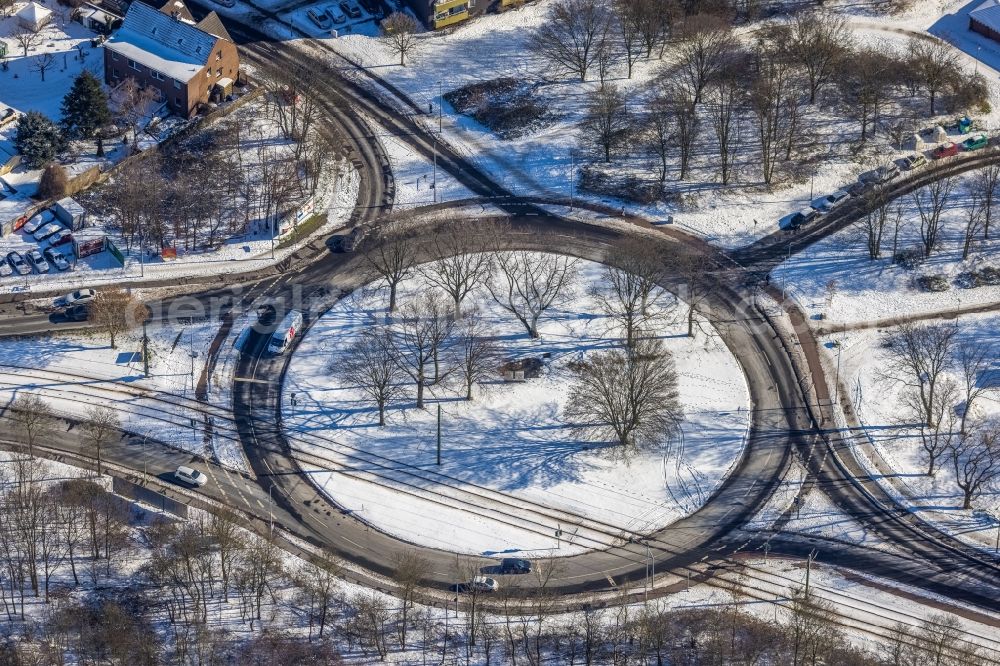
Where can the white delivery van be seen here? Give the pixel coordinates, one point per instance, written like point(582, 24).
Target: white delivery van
point(285, 333)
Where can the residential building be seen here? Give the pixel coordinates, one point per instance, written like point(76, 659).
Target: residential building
point(188, 63)
point(439, 14)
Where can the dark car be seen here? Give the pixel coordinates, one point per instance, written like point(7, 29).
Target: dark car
point(802, 217)
point(60, 237)
point(350, 9)
point(514, 565)
point(77, 313)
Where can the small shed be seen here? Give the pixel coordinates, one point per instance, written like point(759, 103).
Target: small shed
point(98, 19)
point(985, 19)
point(940, 136)
point(9, 159)
point(70, 213)
point(33, 16)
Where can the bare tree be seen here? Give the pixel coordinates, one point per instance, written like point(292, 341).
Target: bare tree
point(864, 81)
point(986, 182)
point(477, 352)
point(976, 459)
point(27, 38)
point(938, 642)
point(768, 99)
point(606, 124)
point(629, 292)
point(876, 218)
point(115, 311)
point(571, 37)
point(817, 43)
point(628, 23)
point(228, 538)
point(931, 201)
point(43, 63)
point(458, 272)
point(409, 568)
point(132, 103)
point(371, 621)
point(939, 429)
point(100, 429)
point(975, 215)
point(391, 259)
point(423, 327)
point(726, 90)
point(399, 34)
point(626, 396)
point(935, 62)
point(318, 581)
point(706, 40)
point(919, 356)
point(526, 283)
point(655, 20)
point(974, 361)
point(33, 419)
point(370, 364)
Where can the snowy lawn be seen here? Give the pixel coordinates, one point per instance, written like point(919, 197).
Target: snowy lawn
point(938, 499)
point(834, 278)
point(511, 438)
point(82, 370)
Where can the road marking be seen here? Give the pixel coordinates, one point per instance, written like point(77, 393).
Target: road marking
point(252, 380)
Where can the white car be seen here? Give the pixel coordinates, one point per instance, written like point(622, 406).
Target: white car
point(78, 297)
point(830, 201)
point(36, 259)
point(484, 584)
point(37, 221)
point(190, 476)
point(56, 258)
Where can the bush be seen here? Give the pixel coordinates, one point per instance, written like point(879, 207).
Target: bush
point(54, 182)
point(628, 187)
point(985, 277)
point(909, 258)
point(505, 106)
point(937, 282)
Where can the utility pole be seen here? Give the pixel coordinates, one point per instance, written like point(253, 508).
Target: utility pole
point(836, 388)
point(809, 562)
point(434, 183)
point(572, 178)
point(439, 435)
point(440, 104)
point(145, 351)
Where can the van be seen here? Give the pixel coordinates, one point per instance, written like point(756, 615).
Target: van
point(285, 333)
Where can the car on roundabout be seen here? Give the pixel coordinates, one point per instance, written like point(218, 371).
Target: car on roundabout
point(476, 585)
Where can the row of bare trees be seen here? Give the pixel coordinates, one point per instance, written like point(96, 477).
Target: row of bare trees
point(742, 93)
point(943, 379)
point(884, 218)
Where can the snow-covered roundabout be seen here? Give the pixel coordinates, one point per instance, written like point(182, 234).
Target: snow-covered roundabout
point(513, 470)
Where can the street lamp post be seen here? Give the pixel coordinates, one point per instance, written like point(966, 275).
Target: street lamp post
point(836, 388)
point(434, 183)
point(440, 104)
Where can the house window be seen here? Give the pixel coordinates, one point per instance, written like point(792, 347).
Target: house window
point(177, 101)
point(114, 56)
point(134, 65)
point(115, 73)
point(156, 75)
point(218, 72)
point(177, 84)
point(218, 56)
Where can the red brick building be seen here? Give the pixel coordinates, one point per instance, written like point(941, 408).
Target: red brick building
point(187, 62)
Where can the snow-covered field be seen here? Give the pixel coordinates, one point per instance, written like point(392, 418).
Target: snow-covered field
point(511, 438)
point(82, 370)
point(863, 363)
point(835, 278)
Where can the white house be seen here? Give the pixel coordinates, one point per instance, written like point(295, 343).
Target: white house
point(33, 16)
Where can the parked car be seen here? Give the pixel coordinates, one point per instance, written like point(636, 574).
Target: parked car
point(322, 21)
point(56, 258)
point(484, 584)
point(77, 313)
point(975, 142)
point(827, 203)
point(190, 476)
point(859, 188)
point(515, 565)
point(37, 221)
point(47, 231)
point(881, 175)
point(36, 259)
point(335, 15)
point(913, 161)
point(350, 9)
point(76, 298)
point(802, 217)
point(5, 269)
point(945, 150)
point(353, 239)
point(61, 237)
point(18, 263)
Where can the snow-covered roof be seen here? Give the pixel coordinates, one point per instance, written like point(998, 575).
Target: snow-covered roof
point(33, 13)
point(169, 46)
point(987, 14)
